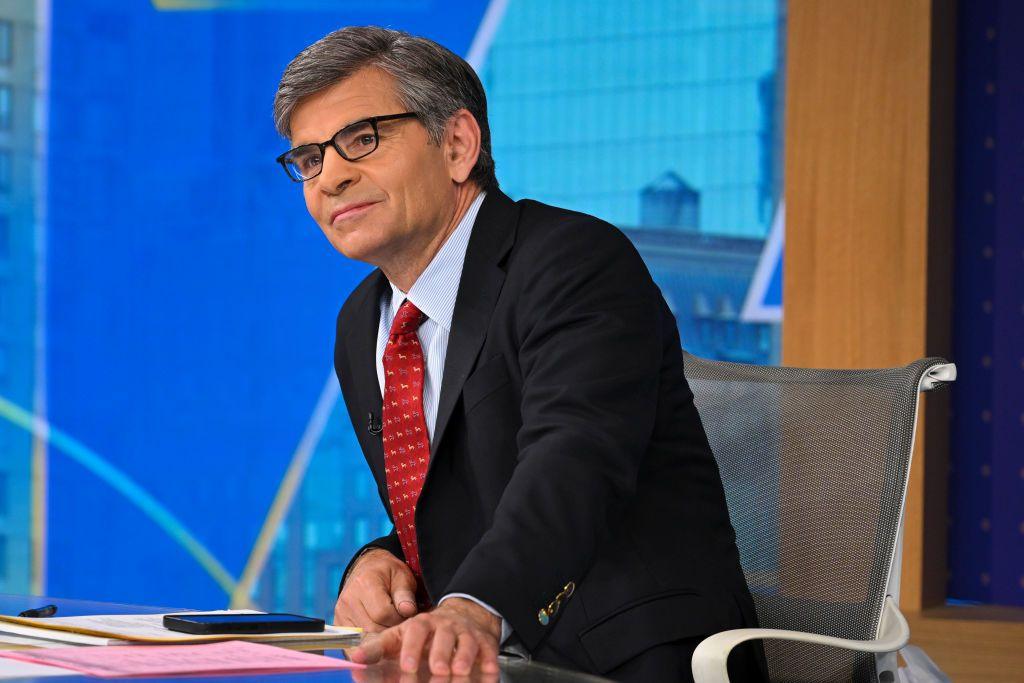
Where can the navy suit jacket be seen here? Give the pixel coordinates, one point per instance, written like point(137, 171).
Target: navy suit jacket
point(567, 446)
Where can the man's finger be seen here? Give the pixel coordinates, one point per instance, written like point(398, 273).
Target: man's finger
point(367, 620)
point(466, 649)
point(377, 646)
point(414, 639)
point(373, 590)
point(441, 650)
point(380, 608)
point(488, 656)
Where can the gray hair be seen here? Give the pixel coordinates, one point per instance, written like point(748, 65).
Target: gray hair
point(430, 80)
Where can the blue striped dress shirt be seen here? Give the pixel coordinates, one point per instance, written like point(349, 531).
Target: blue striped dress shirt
point(434, 294)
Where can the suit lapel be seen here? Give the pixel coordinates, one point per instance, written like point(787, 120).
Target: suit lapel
point(482, 278)
point(361, 342)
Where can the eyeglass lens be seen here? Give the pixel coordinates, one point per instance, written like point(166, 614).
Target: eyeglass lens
point(354, 142)
point(357, 140)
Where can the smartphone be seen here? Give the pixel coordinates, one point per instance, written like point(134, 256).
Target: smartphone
point(211, 624)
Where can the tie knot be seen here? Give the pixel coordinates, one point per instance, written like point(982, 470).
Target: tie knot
point(408, 319)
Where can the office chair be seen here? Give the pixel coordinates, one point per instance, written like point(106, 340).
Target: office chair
point(815, 465)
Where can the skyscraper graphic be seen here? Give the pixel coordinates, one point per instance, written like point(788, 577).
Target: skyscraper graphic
point(663, 118)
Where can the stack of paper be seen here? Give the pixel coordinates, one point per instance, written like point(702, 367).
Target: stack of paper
point(16, 634)
point(118, 629)
point(232, 657)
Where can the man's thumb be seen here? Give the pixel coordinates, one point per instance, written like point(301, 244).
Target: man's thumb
point(404, 593)
point(405, 602)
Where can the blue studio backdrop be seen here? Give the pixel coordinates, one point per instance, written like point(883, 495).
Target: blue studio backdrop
point(191, 299)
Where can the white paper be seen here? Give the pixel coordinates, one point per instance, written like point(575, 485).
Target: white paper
point(61, 637)
point(150, 628)
point(9, 639)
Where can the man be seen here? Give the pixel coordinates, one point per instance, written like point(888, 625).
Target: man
point(516, 383)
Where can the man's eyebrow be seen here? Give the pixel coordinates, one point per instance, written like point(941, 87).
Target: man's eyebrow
point(362, 118)
point(343, 127)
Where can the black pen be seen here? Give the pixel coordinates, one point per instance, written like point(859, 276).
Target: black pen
point(45, 611)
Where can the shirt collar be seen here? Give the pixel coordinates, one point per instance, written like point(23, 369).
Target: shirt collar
point(436, 288)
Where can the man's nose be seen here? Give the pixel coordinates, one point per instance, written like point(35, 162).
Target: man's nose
point(337, 172)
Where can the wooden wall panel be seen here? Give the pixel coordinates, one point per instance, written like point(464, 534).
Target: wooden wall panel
point(857, 117)
point(869, 210)
point(859, 168)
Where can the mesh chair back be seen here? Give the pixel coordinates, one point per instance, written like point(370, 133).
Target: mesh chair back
point(815, 466)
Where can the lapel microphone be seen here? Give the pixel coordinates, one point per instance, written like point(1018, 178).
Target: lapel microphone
point(373, 424)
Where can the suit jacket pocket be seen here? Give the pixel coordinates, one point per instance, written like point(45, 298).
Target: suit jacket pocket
point(488, 377)
point(657, 619)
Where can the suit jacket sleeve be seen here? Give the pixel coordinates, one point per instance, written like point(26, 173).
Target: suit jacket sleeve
point(589, 323)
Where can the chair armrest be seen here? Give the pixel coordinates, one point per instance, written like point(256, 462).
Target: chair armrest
point(710, 657)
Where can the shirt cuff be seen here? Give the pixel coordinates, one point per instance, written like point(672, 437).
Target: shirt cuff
point(506, 628)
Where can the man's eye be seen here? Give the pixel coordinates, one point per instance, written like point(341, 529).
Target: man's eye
point(365, 140)
point(310, 162)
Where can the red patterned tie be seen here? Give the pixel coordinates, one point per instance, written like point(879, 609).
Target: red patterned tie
point(406, 445)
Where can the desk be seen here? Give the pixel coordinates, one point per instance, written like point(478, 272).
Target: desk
point(512, 670)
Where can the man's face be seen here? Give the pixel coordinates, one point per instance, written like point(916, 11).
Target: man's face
point(385, 205)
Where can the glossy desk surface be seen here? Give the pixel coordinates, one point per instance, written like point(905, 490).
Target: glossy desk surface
point(512, 670)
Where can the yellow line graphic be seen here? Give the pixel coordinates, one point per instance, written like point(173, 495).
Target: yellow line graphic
point(242, 596)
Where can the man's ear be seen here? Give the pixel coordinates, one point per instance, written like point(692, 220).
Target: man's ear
point(461, 145)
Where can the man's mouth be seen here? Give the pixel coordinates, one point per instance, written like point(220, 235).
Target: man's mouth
point(350, 211)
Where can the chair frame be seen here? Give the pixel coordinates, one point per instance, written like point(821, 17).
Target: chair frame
point(709, 663)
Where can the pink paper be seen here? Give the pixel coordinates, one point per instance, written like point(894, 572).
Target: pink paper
point(230, 657)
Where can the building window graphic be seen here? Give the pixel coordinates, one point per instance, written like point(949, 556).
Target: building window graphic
point(5, 170)
point(5, 238)
point(6, 42)
point(18, 288)
point(663, 118)
point(337, 510)
point(5, 107)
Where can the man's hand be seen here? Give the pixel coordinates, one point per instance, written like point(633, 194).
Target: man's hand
point(454, 637)
point(380, 592)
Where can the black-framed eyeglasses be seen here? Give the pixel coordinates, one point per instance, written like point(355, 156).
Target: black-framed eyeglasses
point(352, 142)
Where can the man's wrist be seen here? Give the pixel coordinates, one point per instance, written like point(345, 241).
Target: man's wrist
point(506, 628)
point(487, 620)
